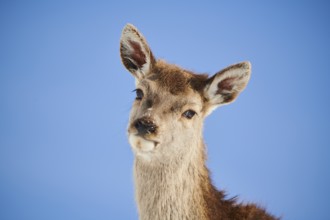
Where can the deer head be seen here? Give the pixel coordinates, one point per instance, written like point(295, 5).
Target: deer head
point(171, 103)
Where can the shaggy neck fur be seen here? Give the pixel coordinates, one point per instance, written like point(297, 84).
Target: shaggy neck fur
point(172, 190)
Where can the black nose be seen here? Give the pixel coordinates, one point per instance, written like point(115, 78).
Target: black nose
point(145, 126)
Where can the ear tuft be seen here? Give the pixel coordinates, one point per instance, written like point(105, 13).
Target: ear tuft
point(135, 52)
point(226, 85)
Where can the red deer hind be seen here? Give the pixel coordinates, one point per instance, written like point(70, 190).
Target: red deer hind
point(165, 132)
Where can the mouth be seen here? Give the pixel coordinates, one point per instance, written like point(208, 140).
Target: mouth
point(141, 144)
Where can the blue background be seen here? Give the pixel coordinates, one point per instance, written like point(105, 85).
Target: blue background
point(65, 99)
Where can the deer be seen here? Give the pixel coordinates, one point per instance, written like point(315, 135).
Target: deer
point(165, 127)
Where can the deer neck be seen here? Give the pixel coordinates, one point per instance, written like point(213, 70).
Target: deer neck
point(173, 190)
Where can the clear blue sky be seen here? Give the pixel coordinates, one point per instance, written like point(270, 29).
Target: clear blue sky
point(65, 99)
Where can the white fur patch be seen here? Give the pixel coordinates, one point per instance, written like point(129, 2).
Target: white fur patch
point(141, 146)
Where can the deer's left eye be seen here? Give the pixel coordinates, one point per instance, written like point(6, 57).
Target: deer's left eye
point(189, 114)
point(139, 94)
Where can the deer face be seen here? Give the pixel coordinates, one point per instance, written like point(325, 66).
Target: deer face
point(163, 119)
point(171, 103)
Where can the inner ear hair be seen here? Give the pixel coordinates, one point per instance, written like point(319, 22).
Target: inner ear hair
point(135, 52)
point(226, 85)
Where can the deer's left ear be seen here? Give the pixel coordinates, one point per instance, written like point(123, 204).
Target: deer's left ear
point(226, 85)
point(135, 52)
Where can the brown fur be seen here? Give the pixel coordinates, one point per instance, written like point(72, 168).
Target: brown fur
point(174, 79)
point(220, 208)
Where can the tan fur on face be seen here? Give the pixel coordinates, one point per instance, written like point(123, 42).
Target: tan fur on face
point(171, 178)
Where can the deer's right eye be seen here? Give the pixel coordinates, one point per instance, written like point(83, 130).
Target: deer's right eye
point(139, 94)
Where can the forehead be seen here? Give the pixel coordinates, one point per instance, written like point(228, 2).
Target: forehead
point(174, 79)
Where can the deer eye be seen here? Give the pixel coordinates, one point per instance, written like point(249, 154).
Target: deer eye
point(139, 94)
point(189, 114)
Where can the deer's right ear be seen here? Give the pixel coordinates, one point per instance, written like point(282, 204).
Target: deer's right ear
point(135, 52)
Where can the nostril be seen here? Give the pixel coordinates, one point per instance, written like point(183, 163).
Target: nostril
point(151, 129)
point(145, 126)
point(138, 125)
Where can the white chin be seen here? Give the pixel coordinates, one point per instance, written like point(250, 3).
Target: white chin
point(140, 145)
